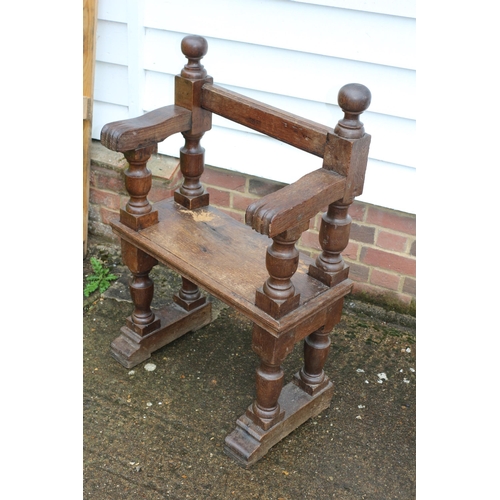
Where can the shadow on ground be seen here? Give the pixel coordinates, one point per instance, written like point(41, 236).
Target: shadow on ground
point(157, 431)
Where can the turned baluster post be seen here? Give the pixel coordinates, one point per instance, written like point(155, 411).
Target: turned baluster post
point(189, 296)
point(316, 348)
point(265, 410)
point(346, 153)
point(141, 291)
point(138, 213)
point(311, 378)
point(333, 238)
point(191, 194)
point(188, 86)
point(142, 320)
point(278, 295)
point(192, 157)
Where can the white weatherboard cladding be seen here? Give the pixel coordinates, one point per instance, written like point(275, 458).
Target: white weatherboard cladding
point(293, 55)
point(112, 39)
point(316, 29)
point(405, 8)
point(116, 77)
point(286, 72)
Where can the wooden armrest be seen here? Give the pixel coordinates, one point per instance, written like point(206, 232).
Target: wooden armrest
point(145, 130)
point(295, 203)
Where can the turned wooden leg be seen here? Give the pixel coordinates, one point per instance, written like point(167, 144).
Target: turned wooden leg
point(311, 377)
point(141, 291)
point(142, 320)
point(146, 330)
point(188, 86)
point(277, 409)
point(265, 411)
point(330, 267)
point(189, 296)
point(192, 194)
point(278, 296)
point(138, 213)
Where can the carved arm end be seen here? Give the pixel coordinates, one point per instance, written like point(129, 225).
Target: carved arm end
point(146, 130)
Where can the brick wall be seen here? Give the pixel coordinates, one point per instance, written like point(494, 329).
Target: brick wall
point(381, 252)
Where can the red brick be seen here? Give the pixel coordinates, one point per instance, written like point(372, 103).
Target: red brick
point(310, 240)
point(357, 211)
point(413, 249)
point(410, 286)
point(391, 241)
point(224, 179)
point(386, 260)
point(241, 202)
point(351, 251)
point(240, 217)
point(363, 234)
point(396, 221)
point(107, 179)
point(105, 198)
point(358, 272)
point(160, 191)
point(261, 187)
point(385, 280)
point(218, 197)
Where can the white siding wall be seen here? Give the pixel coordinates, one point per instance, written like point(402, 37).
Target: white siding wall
point(291, 54)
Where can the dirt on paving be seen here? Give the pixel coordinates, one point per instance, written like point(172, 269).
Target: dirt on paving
point(157, 431)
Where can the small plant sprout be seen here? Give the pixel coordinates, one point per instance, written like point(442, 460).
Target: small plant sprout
point(100, 280)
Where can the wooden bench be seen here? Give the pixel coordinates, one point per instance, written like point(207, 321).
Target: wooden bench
point(254, 268)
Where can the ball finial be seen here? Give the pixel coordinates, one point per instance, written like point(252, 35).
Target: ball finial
point(353, 98)
point(194, 47)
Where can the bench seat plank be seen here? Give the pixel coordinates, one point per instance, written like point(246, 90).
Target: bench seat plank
point(224, 257)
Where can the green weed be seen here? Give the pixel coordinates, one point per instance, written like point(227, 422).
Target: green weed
point(100, 280)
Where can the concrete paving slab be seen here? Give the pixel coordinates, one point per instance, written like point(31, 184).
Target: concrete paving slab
point(157, 431)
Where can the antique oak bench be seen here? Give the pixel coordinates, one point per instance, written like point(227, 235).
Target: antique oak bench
point(254, 268)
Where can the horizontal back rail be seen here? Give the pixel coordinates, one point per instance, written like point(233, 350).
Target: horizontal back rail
point(286, 127)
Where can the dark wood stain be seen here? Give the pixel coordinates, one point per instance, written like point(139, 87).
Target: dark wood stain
point(255, 268)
